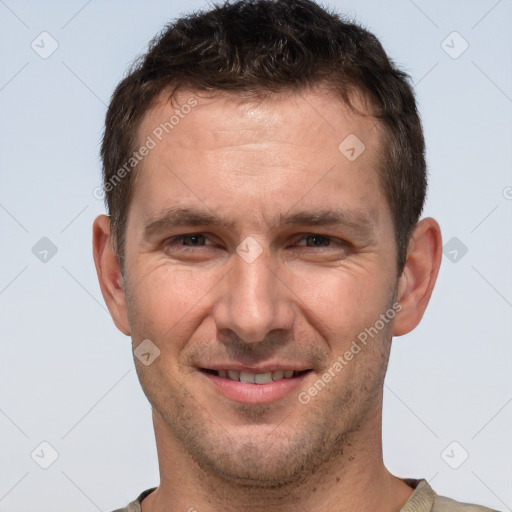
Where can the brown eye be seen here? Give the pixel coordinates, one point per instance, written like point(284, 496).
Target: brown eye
point(318, 241)
point(314, 240)
point(195, 240)
point(191, 240)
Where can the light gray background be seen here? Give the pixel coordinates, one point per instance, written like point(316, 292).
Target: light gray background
point(67, 375)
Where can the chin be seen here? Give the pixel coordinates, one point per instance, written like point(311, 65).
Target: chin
point(248, 466)
point(260, 457)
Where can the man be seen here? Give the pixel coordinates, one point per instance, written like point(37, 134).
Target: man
point(264, 175)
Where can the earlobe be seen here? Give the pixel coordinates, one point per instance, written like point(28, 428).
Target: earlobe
point(109, 273)
point(419, 275)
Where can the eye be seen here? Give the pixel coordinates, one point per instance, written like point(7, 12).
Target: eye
point(190, 240)
point(195, 239)
point(321, 241)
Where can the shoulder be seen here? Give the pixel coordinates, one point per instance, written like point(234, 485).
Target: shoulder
point(135, 506)
point(425, 499)
point(443, 504)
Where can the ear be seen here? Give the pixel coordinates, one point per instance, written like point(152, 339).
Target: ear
point(419, 275)
point(109, 273)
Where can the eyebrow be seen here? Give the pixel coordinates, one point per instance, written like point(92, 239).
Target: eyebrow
point(175, 216)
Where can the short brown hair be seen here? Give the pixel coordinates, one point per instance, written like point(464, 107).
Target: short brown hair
point(265, 46)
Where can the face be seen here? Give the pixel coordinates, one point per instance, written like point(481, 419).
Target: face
point(256, 249)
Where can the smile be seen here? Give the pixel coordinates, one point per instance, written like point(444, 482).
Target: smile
point(256, 378)
point(256, 387)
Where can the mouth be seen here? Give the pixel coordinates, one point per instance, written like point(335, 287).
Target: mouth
point(256, 387)
point(255, 378)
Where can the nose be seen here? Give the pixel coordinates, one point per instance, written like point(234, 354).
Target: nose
point(253, 301)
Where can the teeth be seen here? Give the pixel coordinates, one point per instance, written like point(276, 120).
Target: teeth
point(256, 378)
point(234, 375)
point(247, 377)
point(263, 378)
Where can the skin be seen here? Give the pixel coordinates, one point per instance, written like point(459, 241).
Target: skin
point(304, 299)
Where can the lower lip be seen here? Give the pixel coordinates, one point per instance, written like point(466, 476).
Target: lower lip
point(256, 393)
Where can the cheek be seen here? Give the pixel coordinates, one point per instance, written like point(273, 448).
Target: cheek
point(165, 300)
point(341, 303)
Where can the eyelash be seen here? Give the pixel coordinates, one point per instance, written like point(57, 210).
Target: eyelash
point(340, 242)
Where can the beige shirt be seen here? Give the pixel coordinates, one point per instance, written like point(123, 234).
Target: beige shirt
point(423, 499)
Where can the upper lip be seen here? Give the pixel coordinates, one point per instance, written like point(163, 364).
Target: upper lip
point(262, 368)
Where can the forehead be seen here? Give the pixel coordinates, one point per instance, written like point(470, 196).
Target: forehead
point(222, 149)
point(275, 117)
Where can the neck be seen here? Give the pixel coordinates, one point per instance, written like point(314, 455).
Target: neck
point(355, 480)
